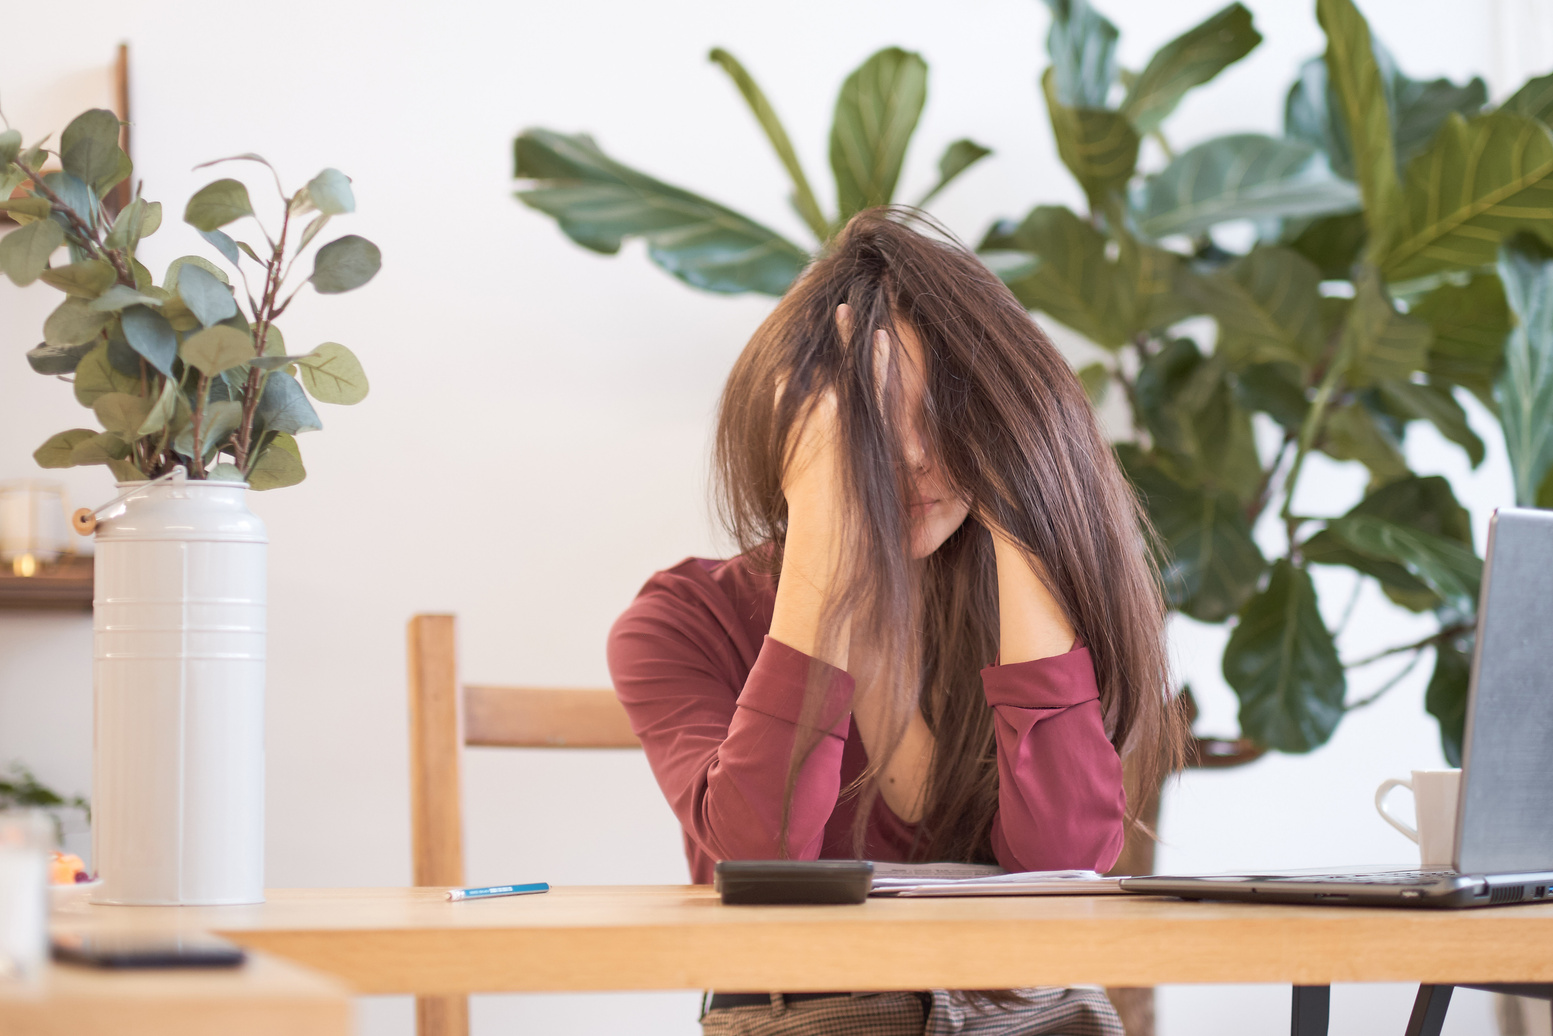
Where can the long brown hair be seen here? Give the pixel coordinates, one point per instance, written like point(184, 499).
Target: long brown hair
point(1008, 424)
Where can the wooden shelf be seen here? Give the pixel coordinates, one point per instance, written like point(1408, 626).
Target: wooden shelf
point(65, 585)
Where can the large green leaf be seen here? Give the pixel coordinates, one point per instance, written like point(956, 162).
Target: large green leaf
point(1446, 697)
point(1333, 243)
point(217, 204)
point(74, 323)
point(1449, 569)
point(89, 147)
point(1283, 665)
point(207, 298)
point(1477, 182)
point(1425, 504)
point(1534, 99)
point(277, 465)
point(1525, 389)
point(1210, 563)
point(1073, 280)
point(1267, 307)
point(58, 359)
point(283, 407)
point(876, 114)
point(1352, 433)
point(216, 349)
point(95, 376)
point(1189, 60)
point(150, 335)
point(85, 280)
point(1361, 95)
point(59, 450)
point(1382, 344)
point(1082, 46)
point(1191, 411)
point(1470, 323)
point(1241, 176)
point(957, 158)
point(1276, 389)
point(802, 198)
point(1409, 401)
point(332, 374)
point(598, 203)
point(24, 253)
point(1099, 147)
point(330, 193)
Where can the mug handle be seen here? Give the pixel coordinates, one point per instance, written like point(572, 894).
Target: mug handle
point(1380, 805)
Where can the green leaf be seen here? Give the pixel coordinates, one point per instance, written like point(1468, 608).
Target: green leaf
point(876, 114)
point(1361, 95)
point(26, 209)
point(1189, 60)
point(161, 411)
point(85, 280)
point(278, 465)
point(217, 204)
point(802, 198)
point(331, 193)
point(74, 323)
point(1082, 45)
point(89, 147)
point(1186, 402)
point(1534, 99)
point(1381, 343)
point(1446, 697)
point(1096, 379)
point(1477, 182)
point(283, 407)
point(957, 158)
point(1276, 389)
point(1470, 324)
point(1421, 108)
point(1283, 665)
point(1266, 305)
point(1449, 569)
point(24, 252)
point(105, 448)
point(598, 203)
point(1100, 148)
point(1407, 401)
point(312, 230)
point(121, 297)
point(332, 374)
point(150, 335)
point(207, 298)
point(10, 146)
point(1075, 281)
point(225, 473)
point(1210, 563)
point(59, 450)
point(223, 243)
point(345, 264)
point(1352, 433)
point(175, 267)
point(95, 376)
point(1241, 176)
point(57, 359)
point(216, 349)
point(124, 235)
point(122, 413)
point(1525, 388)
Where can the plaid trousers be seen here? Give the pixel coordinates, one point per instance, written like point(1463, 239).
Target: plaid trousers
point(1047, 1011)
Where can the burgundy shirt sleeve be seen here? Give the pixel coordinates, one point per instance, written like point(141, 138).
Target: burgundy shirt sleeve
point(720, 749)
point(1060, 797)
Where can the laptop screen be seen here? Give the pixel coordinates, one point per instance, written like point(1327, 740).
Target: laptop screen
point(1505, 819)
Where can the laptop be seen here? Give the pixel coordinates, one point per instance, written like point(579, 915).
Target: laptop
point(1504, 814)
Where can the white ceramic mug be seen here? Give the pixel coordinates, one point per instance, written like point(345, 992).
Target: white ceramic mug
point(1434, 806)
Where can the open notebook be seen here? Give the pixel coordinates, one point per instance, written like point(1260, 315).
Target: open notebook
point(971, 879)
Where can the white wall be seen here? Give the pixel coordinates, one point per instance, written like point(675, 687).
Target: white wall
point(534, 445)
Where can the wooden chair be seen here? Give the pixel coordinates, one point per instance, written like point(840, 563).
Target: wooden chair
point(444, 716)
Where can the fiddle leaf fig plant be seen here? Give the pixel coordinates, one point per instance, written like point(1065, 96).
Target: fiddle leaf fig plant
point(191, 371)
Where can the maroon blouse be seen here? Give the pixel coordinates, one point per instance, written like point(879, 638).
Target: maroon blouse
point(716, 704)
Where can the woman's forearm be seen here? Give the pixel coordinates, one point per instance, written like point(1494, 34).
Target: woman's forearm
point(1031, 624)
point(810, 568)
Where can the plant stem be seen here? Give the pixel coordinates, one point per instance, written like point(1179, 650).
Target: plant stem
point(83, 231)
point(201, 390)
point(254, 387)
point(1264, 490)
point(1308, 432)
point(1372, 698)
point(1444, 633)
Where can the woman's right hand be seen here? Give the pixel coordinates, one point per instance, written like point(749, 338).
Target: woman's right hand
point(811, 478)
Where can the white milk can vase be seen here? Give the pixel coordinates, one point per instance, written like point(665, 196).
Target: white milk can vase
point(178, 679)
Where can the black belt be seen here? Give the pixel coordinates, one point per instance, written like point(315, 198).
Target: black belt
point(718, 1001)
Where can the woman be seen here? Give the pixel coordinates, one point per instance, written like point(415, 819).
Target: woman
point(943, 629)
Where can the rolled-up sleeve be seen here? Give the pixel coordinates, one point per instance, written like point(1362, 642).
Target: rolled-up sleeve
point(1060, 798)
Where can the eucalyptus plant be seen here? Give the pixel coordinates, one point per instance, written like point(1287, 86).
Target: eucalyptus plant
point(599, 202)
point(177, 373)
point(1397, 256)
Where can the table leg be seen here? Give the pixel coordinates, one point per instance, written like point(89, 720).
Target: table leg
point(1312, 1011)
point(1429, 1010)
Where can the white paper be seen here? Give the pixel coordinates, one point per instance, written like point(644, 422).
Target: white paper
point(960, 879)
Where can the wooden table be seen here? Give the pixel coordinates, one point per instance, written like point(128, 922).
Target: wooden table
point(681, 937)
point(263, 997)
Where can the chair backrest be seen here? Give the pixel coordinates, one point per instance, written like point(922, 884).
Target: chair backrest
point(444, 716)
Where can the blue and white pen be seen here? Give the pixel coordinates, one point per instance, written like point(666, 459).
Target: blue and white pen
point(492, 891)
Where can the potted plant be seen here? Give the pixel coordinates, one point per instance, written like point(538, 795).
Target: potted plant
point(199, 401)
